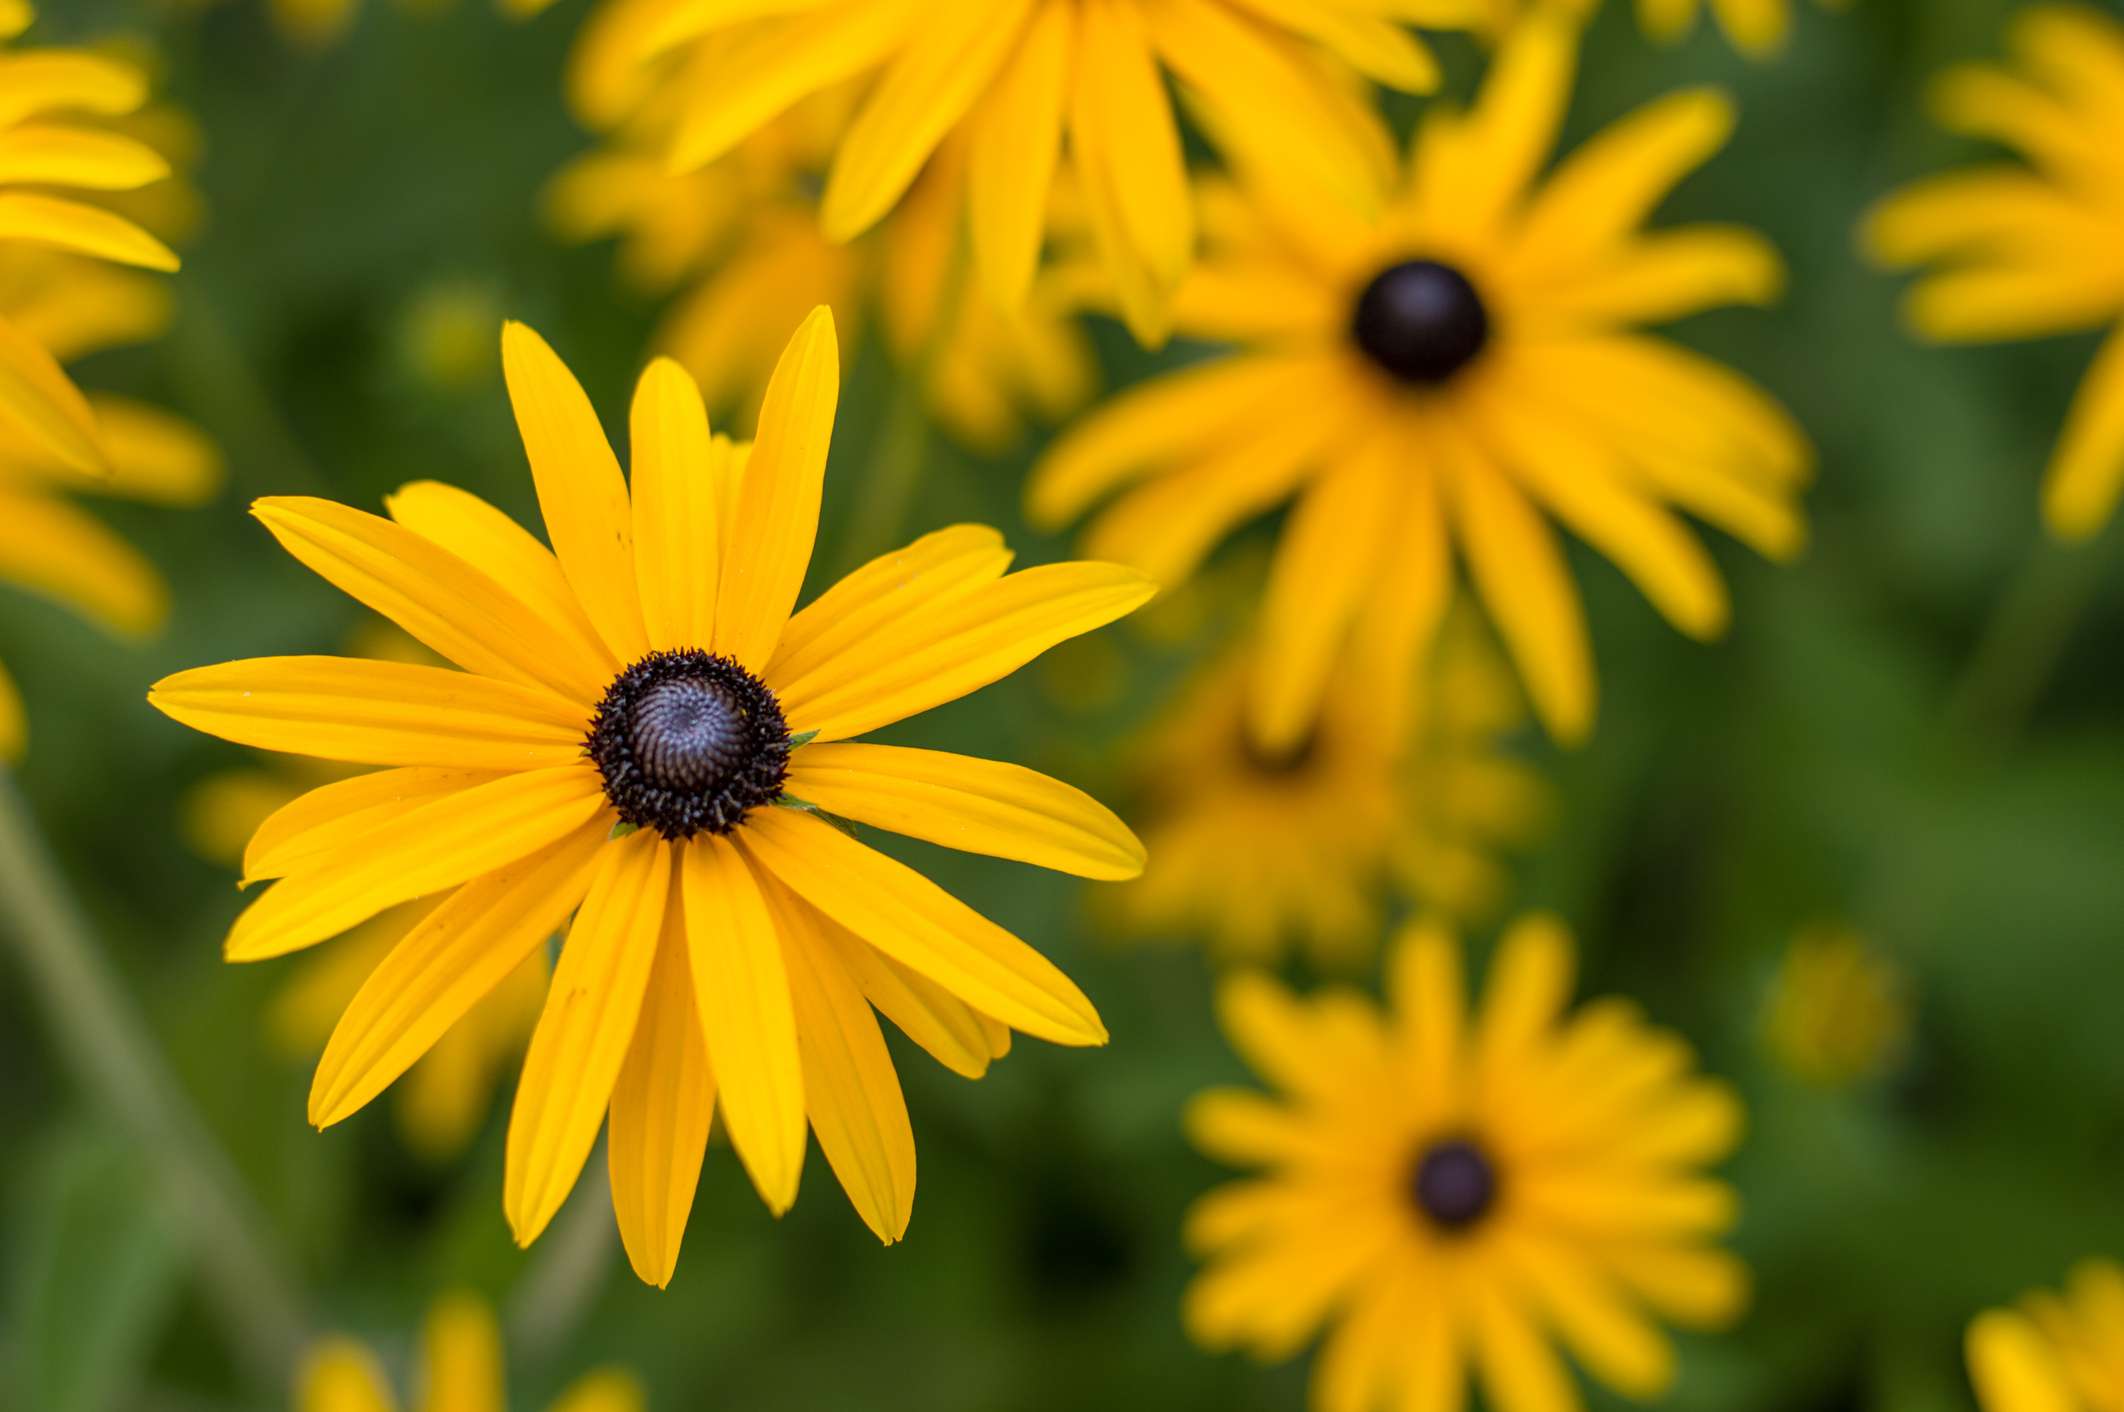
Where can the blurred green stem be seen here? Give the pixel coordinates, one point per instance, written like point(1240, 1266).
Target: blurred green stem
point(2020, 646)
point(549, 1302)
point(894, 469)
point(102, 1036)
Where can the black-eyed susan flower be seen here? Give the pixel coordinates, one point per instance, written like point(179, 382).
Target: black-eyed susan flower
point(738, 247)
point(462, 1367)
point(85, 173)
point(2032, 248)
point(1022, 81)
point(646, 737)
point(1256, 851)
point(1454, 1195)
point(1454, 373)
point(1839, 1010)
point(2054, 1352)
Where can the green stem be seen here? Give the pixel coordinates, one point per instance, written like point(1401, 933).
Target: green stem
point(553, 1296)
point(2020, 646)
point(102, 1036)
point(894, 470)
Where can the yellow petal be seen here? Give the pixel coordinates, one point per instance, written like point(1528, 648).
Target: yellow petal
point(2014, 1367)
point(890, 587)
point(1605, 1330)
point(309, 829)
point(426, 850)
point(67, 79)
point(741, 987)
point(926, 1013)
point(1520, 1370)
point(1529, 985)
point(677, 537)
point(1016, 140)
point(1608, 186)
point(660, 1113)
point(581, 492)
point(154, 456)
point(37, 397)
point(339, 1375)
point(960, 645)
point(605, 1390)
point(1671, 275)
point(918, 924)
point(850, 1088)
point(50, 547)
point(1699, 1287)
point(14, 734)
point(582, 1038)
point(462, 1366)
point(980, 806)
point(46, 155)
point(1371, 44)
point(434, 976)
point(436, 597)
point(375, 713)
point(768, 546)
point(2087, 473)
point(85, 230)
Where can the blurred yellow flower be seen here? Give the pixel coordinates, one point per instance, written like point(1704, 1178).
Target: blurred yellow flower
point(1839, 1011)
point(463, 1368)
point(739, 240)
point(1301, 848)
point(1452, 1193)
point(73, 121)
point(2034, 249)
point(1444, 375)
point(1009, 78)
point(1758, 28)
point(2060, 1352)
point(643, 735)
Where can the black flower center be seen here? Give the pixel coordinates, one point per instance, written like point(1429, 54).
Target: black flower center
point(1453, 1184)
point(1421, 321)
point(688, 743)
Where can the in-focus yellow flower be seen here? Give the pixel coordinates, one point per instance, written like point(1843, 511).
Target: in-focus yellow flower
point(463, 1368)
point(1256, 851)
point(445, 1098)
point(71, 284)
point(1456, 1194)
point(2061, 1352)
point(1839, 1011)
point(1758, 28)
point(644, 735)
point(1013, 78)
point(2029, 250)
point(740, 243)
point(1451, 374)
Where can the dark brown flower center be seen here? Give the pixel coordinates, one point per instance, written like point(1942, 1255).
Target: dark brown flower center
point(1421, 321)
point(1453, 1184)
point(689, 742)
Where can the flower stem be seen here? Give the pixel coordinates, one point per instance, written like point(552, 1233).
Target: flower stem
point(2020, 646)
point(104, 1039)
point(556, 1292)
point(893, 471)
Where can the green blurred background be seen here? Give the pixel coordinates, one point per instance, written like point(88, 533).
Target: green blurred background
point(1918, 728)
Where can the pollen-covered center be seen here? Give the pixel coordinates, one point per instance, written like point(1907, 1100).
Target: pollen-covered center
point(1453, 1184)
point(1421, 321)
point(689, 742)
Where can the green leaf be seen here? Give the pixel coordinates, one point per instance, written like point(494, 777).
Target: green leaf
point(802, 739)
point(790, 801)
point(622, 829)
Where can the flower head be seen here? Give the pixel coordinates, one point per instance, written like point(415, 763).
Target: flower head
point(1839, 1011)
point(1006, 81)
point(2061, 1352)
point(645, 736)
point(1450, 1192)
point(1451, 375)
point(2032, 248)
point(462, 1368)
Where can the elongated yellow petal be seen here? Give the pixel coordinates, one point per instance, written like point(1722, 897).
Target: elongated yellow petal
point(768, 545)
point(37, 397)
point(1659, 278)
point(850, 1088)
point(509, 554)
point(50, 155)
point(2087, 473)
point(375, 713)
point(309, 829)
point(660, 1113)
point(51, 547)
point(582, 1038)
point(961, 645)
point(581, 492)
point(339, 1375)
point(1511, 129)
point(1016, 140)
point(1520, 1369)
point(981, 806)
point(926, 1013)
point(1529, 985)
point(14, 734)
point(677, 534)
point(435, 596)
point(2015, 1368)
point(890, 587)
point(741, 985)
point(462, 1367)
point(1607, 1332)
point(67, 80)
point(445, 966)
point(928, 87)
point(1373, 45)
point(918, 924)
point(85, 230)
point(1607, 187)
point(426, 850)
point(154, 457)
point(605, 1390)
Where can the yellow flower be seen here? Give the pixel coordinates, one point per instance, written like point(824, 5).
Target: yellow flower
point(1009, 78)
point(1444, 374)
point(1258, 851)
point(2060, 1352)
point(1839, 1011)
point(446, 1097)
point(2036, 249)
point(71, 121)
point(1452, 1193)
point(1758, 28)
point(644, 736)
point(740, 240)
point(463, 1368)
